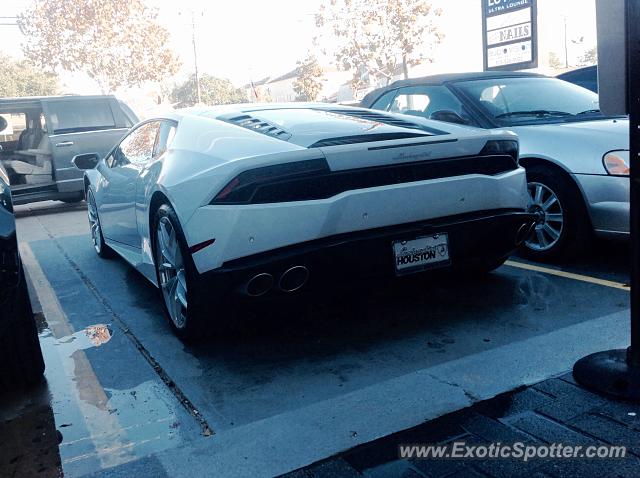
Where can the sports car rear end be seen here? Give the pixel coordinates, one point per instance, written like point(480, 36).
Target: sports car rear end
point(355, 194)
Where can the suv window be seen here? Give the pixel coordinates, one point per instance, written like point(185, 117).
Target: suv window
point(422, 101)
point(16, 124)
point(24, 130)
point(79, 115)
point(137, 147)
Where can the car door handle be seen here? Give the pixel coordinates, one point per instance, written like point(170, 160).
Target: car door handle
point(64, 144)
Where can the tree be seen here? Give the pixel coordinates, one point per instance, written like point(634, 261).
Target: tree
point(308, 84)
point(590, 57)
point(554, 61)
point(20, 78)
point(116, 42)
point(213, 91)
point(375, 37)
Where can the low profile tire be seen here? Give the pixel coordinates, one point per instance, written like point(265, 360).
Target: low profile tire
point(101, 247)
point(562, 230)
point(176, 275)
point(21, 362)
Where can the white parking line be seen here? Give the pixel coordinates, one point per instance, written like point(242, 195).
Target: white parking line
point(569, 275)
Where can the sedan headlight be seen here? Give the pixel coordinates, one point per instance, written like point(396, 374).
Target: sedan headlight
point(617, 162)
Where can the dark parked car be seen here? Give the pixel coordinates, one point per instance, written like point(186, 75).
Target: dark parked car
point(586, 77)
point(21, 360)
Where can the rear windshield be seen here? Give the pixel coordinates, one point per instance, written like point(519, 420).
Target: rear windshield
point(80, 115)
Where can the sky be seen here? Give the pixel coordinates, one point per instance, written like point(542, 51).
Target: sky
point(251, 39)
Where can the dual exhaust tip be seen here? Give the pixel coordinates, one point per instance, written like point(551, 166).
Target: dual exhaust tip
point(296, 277)
point(524, 232)
point(291, 280)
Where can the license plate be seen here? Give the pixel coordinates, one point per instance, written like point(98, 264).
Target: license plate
point(421, 253)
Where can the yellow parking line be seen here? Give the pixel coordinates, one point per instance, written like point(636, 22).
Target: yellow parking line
point(105, 430)
point(569, 275)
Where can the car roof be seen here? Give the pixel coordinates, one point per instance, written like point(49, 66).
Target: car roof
point(24, 99)
point(217, 111)
point(312, 124)
point(435, 80)
point(446, 77)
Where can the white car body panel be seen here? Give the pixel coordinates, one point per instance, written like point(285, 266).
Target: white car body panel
point(259, 228)
point(207, 153)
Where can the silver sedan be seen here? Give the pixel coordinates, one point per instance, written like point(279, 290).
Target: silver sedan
point(577, 159)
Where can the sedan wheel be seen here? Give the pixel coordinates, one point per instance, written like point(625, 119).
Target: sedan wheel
point(549, 226)
point(171, 272)
point(562, 228)
point(97, 238)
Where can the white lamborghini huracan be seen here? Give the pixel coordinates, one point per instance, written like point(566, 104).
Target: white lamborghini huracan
point(270, 199)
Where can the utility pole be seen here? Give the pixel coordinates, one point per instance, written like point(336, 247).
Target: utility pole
point(566, 51)
point(405, 67)
point(195, 56)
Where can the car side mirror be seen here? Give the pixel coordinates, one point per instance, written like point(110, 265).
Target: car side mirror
point(86, 161)
point(448, 116)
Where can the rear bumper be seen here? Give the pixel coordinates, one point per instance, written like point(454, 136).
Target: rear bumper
point(608, 202)
point(475, 239)
point(247, 230)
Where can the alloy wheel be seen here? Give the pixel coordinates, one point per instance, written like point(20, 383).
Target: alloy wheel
point(550, 223)
point(171, 272)
point(94, 223)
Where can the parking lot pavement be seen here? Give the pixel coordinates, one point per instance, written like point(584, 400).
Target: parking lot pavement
point(555, 411)
point(292, 383)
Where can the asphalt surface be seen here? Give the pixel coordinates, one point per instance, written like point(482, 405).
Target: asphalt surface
point(555, 411)
point(292, 383)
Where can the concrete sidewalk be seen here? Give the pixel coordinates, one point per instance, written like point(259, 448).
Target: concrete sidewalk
point(553, 411)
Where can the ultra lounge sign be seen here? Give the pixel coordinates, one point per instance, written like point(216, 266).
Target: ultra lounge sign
point(509, 34)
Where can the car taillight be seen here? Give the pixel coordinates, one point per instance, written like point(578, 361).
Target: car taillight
point(242, 188)
point(501, 147)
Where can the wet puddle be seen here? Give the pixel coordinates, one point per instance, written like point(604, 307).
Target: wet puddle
point(92, 336)
point(102, 426)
